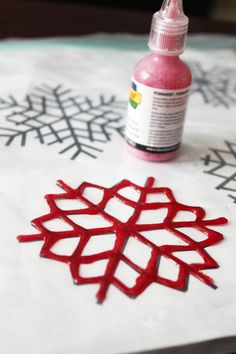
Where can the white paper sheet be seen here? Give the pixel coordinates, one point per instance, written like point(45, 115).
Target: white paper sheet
point(41, 310)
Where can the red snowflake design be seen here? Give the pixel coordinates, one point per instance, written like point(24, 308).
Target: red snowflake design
point(123, 232)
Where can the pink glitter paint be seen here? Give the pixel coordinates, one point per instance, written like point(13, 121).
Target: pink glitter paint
point(159, 91)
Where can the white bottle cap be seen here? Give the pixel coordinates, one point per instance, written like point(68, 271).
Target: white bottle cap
point(169, 29)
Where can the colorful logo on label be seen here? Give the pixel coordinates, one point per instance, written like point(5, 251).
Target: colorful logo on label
point(135, 97)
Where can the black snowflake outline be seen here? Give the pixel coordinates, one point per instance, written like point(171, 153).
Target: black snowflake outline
point(216, 161)
point(55, 115)
point(216, 86)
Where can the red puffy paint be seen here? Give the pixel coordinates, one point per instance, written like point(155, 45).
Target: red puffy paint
point(123, 231)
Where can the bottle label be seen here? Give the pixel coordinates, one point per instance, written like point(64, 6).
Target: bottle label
point(155, 118)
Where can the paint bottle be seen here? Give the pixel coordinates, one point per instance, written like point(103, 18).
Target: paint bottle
point(160, 89)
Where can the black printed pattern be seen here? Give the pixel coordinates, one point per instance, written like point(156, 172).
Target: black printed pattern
point(53, 115)
point(222, 163)
point(216, 86)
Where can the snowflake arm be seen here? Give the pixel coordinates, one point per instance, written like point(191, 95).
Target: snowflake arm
point(215, 86)
point(218, 161)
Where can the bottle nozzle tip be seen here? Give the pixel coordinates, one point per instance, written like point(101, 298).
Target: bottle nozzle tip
point(172, 8)
point(169, 28)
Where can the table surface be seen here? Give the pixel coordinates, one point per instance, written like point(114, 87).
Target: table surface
point(21, 18)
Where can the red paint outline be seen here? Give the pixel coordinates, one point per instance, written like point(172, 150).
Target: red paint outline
point(124, 230)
